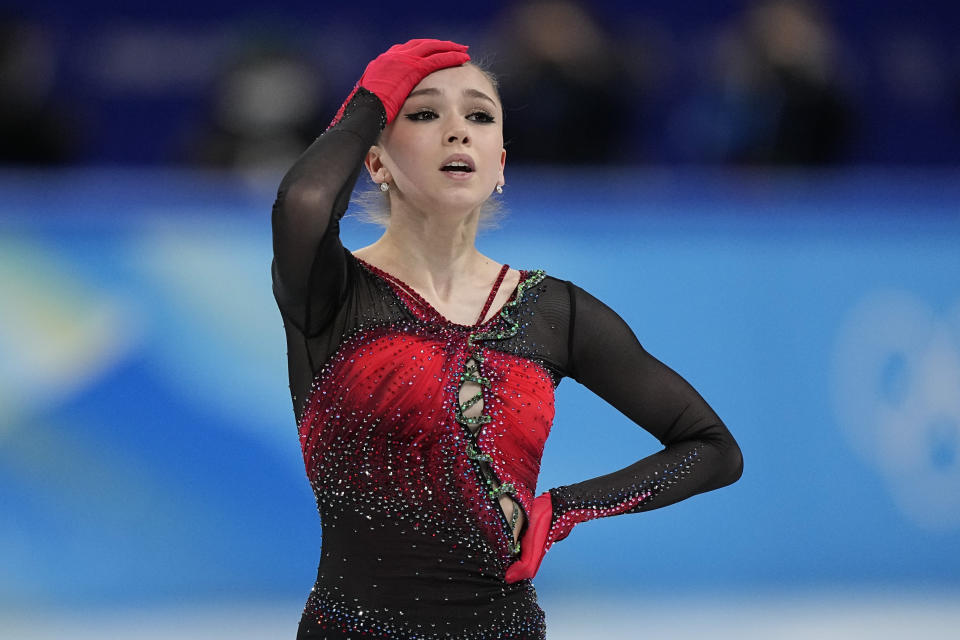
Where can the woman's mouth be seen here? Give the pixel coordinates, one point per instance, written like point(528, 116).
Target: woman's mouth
point(458, 165)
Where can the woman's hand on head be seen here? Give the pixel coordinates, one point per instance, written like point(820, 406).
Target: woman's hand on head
point(393, 74)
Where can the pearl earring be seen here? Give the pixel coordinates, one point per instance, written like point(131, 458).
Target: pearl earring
point(500, 188)
point(384, 187)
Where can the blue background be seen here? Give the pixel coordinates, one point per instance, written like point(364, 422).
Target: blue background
point(148, 453)
point(151, 484)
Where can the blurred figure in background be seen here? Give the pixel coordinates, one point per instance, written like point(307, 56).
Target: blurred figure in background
point(914, 111)
point(562, 85)
point(775, 96)
point(34, 128)
point(264, 111)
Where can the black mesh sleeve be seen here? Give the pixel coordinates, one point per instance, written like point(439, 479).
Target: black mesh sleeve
point(309, 271)
point(699, 454)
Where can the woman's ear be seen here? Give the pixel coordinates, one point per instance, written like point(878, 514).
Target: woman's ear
point(373, 161)
point(503, 162)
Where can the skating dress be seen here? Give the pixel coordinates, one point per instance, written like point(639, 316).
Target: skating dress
point(415, 429)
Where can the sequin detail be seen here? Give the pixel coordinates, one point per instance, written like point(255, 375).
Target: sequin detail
point(628, 499)
point(471, 374)
point(400, 464)
point(359, 98)
point(415, 545)
point(331, 620)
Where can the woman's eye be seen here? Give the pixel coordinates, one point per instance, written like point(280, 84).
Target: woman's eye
point(480, 116)
point(422, 115)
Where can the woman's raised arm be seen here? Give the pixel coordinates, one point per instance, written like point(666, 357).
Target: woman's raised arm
point(308, 263)
point(308, 259)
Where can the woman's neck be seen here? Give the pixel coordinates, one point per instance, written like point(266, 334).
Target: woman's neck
point(434, 254)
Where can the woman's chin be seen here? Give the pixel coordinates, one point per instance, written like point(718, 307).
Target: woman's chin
point(460, 202)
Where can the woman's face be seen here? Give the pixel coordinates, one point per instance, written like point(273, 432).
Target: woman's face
point(444, 151)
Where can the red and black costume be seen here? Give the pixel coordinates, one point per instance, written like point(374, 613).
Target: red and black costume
point(415, 542)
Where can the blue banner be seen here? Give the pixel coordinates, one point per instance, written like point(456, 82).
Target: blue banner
point(148, 450)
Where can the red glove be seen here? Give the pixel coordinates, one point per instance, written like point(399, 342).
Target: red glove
point(393, 74)
point(533, 545)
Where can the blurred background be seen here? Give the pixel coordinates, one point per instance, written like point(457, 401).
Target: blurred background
point(767, 192)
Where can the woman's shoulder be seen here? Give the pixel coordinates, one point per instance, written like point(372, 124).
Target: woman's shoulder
point(550, 282)
point(547, 281)
point(544, 293)
point(570, 294)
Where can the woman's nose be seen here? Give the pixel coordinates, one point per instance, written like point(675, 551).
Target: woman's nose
point(458, 135)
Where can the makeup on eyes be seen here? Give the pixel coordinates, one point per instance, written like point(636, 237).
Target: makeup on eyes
point(421, 115)
point(483, 116)
point(478, 115)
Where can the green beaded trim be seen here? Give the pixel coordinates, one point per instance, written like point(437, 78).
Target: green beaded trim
point(505, 488)
point(465, 406)
point(513, 325)
point(471, 373)
point(475, 454)
point(494, 491)
point(469, 422)
point(473, 376)
point(514, 517)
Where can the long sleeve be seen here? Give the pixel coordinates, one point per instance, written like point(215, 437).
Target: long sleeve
point(699, 452)
point(309, 270)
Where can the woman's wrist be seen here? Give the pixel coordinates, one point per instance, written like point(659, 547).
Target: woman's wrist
point(360, 100)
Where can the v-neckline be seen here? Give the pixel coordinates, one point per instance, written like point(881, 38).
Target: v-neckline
point(412, 293)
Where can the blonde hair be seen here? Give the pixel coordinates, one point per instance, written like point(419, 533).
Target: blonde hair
point(374, 205)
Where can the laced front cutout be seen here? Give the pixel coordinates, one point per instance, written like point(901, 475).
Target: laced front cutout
point(469, 411)
point(470, 415)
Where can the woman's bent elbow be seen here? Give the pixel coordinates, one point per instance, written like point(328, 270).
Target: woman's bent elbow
point(733, 463)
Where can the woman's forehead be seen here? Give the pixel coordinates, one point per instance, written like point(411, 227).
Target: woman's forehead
point(454, 81)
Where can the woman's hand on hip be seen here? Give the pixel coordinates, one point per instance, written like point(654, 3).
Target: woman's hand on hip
point(533, 545)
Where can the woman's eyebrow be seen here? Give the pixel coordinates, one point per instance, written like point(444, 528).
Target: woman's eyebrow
point(470, 93)
point(424, 92)
point(474, 93)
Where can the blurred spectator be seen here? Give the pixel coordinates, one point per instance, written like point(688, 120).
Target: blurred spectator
point(266, 109)
point(914, 75)
point(775, 97)
point(79, 84)
point(562, 84)
point(34, 128)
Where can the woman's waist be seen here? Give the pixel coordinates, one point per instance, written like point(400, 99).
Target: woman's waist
point(455, 510)
point(403, 544)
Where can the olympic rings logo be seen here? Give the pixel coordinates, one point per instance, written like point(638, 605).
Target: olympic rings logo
point(896, 393)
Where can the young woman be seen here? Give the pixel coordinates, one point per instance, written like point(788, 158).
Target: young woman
point(423, 372)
